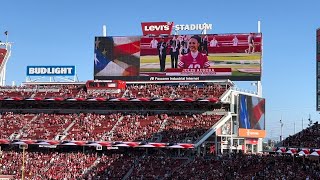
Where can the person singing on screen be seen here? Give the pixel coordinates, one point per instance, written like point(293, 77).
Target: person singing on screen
point(194, 59)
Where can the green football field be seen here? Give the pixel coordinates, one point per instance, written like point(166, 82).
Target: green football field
point(216, 57)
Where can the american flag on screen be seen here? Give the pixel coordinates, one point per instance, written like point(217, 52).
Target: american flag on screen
point(243, 114)
point(258, 113)
point(117, 56)
point(252, 112)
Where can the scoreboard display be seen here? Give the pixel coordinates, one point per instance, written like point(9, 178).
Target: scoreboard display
point(235, 56)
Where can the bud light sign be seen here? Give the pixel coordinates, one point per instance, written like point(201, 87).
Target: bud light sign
point(51, 70)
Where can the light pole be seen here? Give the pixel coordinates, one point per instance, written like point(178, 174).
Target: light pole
point(23, 156)
point(23, 147)
point(281, 125)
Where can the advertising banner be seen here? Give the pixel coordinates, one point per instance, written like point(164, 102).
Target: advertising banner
point(156, 28)
point(51, 70)
point(252, 133)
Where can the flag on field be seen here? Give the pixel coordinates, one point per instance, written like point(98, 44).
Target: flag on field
point(117, 56)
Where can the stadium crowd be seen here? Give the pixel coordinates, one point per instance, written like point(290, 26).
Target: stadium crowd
point(114, 166)
point(174, 92)
point(12, 123)
point(69, 165)
point(132, 91)
point(39, 165)
point(307, 138)
point(187, 128)
point(136, 127)
point(138, 163)
point(92, 127)
point(46, 126)
point(240, 166)
point(107, 127)
point(157, 165)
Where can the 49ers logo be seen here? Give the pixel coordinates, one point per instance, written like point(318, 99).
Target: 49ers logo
point(157, 28)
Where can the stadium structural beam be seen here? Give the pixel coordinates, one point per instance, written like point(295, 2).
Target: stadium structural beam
point(231, 138)
point(281, 126)
point(2, 76)
point(104, 31)
point(52, 79)
point(3, 66)
point(259, 84)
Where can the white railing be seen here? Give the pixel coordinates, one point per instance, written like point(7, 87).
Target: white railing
point(244, 90)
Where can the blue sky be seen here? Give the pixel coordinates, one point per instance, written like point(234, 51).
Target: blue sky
point(62, 33)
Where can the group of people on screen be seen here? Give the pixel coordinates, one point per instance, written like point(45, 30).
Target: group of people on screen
point(190, 53)
point(185, 53)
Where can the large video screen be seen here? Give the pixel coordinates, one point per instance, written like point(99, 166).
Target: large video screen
point(179, 57)
point(251, 112)
point(251, 116)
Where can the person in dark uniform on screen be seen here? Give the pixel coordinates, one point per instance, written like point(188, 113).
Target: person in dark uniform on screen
point(185, 49)
point(162, 51)
point(205, 44)
point(174, 51)
point(184, 45)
